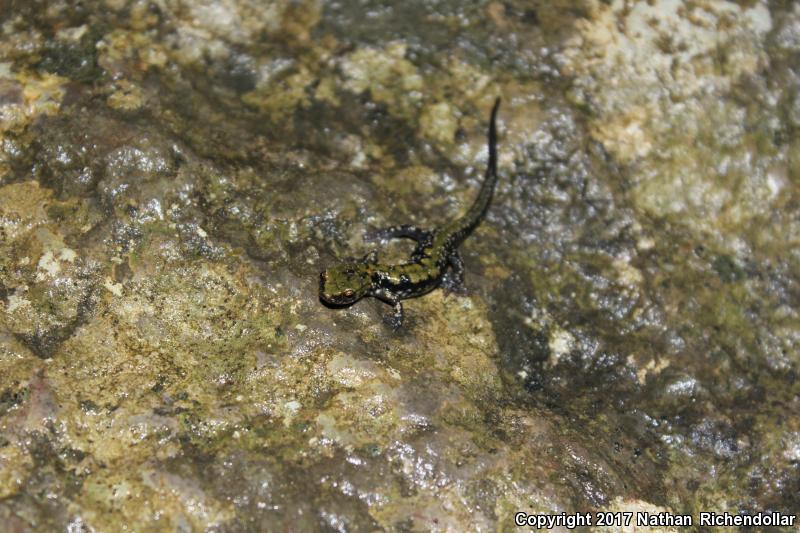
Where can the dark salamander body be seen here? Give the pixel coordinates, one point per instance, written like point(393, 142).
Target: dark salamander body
point(427, 269)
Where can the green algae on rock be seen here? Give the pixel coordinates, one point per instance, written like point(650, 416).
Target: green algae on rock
point(173, 176)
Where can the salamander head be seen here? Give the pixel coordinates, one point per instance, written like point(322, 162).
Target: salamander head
point(344, 284)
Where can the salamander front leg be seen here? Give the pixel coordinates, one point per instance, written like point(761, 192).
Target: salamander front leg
point(405, 231)
point(395, 319)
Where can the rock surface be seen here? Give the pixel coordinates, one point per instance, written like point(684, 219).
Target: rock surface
point(174, 175)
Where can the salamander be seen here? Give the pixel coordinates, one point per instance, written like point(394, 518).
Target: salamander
point(435, 261)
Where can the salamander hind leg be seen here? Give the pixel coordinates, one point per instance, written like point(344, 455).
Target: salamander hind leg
point(405, 231)
point(453, 279)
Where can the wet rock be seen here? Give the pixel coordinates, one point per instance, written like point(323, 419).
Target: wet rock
point(173, 177)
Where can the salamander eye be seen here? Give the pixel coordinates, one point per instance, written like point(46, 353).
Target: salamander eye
point(349, 292)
